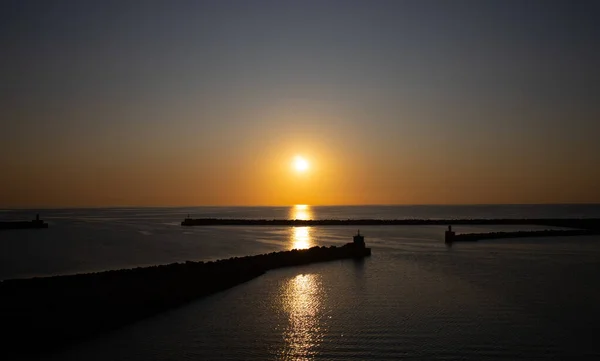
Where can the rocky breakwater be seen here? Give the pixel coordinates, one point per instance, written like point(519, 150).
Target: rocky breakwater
point(41, 315)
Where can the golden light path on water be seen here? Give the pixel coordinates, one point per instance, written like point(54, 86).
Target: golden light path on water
point(303, 303)
point(302, 298)
point(300, 237)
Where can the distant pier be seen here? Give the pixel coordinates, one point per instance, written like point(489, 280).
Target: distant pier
point(33, 224)
point(451, 237)
point(579, 223)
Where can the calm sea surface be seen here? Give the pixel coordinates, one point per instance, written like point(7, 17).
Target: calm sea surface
point(414, 298)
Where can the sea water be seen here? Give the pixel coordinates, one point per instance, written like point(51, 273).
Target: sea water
point(414, 298)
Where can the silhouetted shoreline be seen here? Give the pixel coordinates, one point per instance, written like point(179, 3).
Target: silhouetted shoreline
point(41, 315)
point(583, 223)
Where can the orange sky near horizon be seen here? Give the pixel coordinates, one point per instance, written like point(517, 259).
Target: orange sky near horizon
point(269, 179)
point(348, 165)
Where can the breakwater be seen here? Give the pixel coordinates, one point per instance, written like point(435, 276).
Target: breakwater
point(41, 315)
point(34, 223)
point(583, 223)
point(474, 237)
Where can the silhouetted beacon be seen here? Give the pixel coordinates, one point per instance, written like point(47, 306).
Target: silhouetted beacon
point(449, 235)
point(359, 241)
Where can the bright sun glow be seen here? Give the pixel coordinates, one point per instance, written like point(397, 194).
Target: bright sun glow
point(300, 164)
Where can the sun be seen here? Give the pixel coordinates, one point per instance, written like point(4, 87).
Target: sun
point(300, 164)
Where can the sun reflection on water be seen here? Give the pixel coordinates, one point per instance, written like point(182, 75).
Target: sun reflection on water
point(302, 301)
point(301, 211)
point(300, 237)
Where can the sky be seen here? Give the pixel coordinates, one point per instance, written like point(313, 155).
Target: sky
point(173, 103)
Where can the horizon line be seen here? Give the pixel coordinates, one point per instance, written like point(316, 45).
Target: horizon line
point(311, 205)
